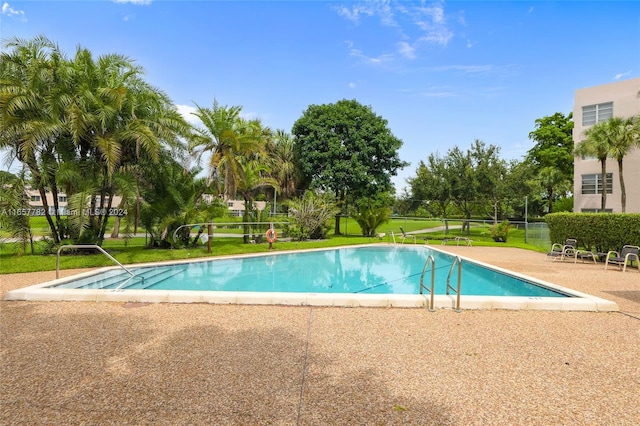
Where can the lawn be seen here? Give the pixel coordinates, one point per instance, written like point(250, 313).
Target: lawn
point(135, 250)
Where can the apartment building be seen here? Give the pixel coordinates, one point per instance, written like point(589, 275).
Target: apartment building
point(236, 207)
point(593, 105)
point(37, 205)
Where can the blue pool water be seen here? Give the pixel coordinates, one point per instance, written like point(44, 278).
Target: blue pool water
point(366, 270)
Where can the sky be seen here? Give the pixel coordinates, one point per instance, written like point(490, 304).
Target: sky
point(442, 73)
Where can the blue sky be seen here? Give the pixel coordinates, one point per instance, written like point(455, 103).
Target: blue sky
point(441, 73)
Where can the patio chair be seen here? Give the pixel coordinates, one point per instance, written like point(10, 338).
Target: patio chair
point(568, 250)
point(622, 258)
point(405, 236)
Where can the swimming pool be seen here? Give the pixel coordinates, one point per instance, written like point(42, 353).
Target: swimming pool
point(372, 275)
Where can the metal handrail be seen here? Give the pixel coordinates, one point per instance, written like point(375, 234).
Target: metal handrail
point(393, 237)
point(93, 246)
point(430, 261)
point(456, 261)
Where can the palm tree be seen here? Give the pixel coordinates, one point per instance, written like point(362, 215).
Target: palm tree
point(254, 177)
point(30, 104)
point(623, 138)
point(115, 118)
point(229, 139)
point(283, 163)
point(597, 144)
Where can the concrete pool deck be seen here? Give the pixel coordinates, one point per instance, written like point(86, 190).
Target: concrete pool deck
point(136, 363)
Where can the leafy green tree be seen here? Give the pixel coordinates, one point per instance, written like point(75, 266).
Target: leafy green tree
point(553, 149)
point(464, 183)
point(491, 173)
point(347, 149)
point(432, 184)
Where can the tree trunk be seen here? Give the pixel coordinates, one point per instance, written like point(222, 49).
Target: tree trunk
point(116, 228)
point(623, 193)
point(339, 203)
point(247, 230)
point(45, 206)
point(604, 185)
point(550, 192)
point(105, 220)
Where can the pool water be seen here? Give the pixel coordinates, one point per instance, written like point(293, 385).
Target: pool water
point(365, 270)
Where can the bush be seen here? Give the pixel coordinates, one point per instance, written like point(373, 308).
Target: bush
point(500, 231)
point(595, 231)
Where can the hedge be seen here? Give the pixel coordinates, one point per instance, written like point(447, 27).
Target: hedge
point(599, 232)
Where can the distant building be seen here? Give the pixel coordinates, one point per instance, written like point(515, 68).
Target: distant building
point(35, 202)
point(593, 105)
point(236, 207)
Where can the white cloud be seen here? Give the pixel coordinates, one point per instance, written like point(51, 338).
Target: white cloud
point(139, 2)
point(352, 85)
point(375, 60)
point(187, 112)
point(466, 68)
point(10, 11)
point(353, 13)
point(622, 74)
point(417, 26)
point(406, 50)
point(530, 9)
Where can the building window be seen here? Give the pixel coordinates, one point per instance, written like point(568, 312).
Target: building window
point(35, 198)
point(592, 114)
point(229, 203)
point(592, 183)
point(62, 198)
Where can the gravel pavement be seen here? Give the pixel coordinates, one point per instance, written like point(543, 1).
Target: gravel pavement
point(64, 363)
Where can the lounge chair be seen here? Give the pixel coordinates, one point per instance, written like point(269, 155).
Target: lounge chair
point(622, 258)
point(405, 236)
point(568, 250)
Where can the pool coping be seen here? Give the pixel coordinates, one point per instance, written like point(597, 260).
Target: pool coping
point(581, 301)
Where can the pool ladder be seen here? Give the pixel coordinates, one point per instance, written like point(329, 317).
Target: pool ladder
point(430, 261)
point(456, 261)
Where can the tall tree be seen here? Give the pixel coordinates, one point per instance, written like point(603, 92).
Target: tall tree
point(98, 114)
point(623, 138)
point(597, 144)
point(30, 104)
point(464, 184)
point(283, 163)
point(491, 173)
point(553, 149)
point(230, 140)
point(347, 149)
point(254, 176)
point(432, 185)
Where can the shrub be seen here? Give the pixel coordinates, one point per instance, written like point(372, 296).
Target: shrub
point(599, 231)
point(500, 231)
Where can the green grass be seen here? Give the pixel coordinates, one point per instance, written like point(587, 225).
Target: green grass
point(135, 251)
